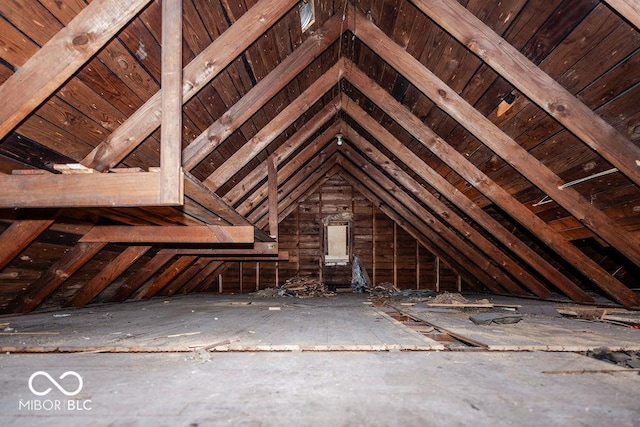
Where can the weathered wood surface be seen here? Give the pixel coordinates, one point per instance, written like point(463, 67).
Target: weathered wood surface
point(196, 75)
point(518, 211)
point(81, 190)
point(171, 179)
point(239, 324)
point(532, 333)
point(61, 57)
point(496, 140)
point(115, 268)
point(54, 277)
point(18, 236)
point(170, 234)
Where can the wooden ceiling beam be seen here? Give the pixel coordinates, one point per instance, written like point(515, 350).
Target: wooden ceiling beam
point(104, 278)
point(494, 138)
point(211, 201)
point(81, 190)
point(54, 277)
point(536, 85)
point(186, 276)
point(259, 249)
point(170, 234)
point(200, 279)
point(262, 92)
point(287, 169)
point(275, 127)
point(629, 9)
point(140, 277)
point(412, 188)
point(19, 235)
point(512, 207)
point(422, 133)
point(157, 284)
point(293, 186)
point(399, 214)
point(306, 187)
point(63, 55)
point(282, 153)
point(432, 228)
point(196, 75)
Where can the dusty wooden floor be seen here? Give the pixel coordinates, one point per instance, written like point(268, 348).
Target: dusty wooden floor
point(235, 360)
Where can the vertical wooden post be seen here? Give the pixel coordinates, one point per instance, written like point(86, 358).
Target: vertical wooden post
point(272, 177)
point(459, 283)
point(373, 247)
point(219, 283)
point(417, 265)
point(437, 274)
point(241, 269)
point(395, 254)
point(257, 276)
point(322, 238)
point(297, 241)
point(171, 182)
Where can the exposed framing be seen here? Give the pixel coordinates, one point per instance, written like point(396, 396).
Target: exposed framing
point(164, 188)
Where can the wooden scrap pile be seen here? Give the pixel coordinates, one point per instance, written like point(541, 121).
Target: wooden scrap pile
point(305, 287)
point(447, 299)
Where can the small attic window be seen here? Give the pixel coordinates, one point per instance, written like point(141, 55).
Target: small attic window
point(307, 14)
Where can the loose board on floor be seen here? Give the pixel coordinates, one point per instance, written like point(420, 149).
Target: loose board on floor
point(533, 333)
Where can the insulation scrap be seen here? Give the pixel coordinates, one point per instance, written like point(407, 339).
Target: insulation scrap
point(449, 298)
point(385, 289)
point(267, 293)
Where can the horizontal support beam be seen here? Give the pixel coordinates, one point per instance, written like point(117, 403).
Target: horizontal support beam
point(259, 248)
point(83, 190)
point(170, 234)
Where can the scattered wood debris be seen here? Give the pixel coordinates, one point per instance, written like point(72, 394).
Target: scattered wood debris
point(306, 287)
point(301, 287)
point(620, 317)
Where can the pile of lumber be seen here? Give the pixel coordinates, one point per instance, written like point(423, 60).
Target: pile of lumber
point(305, 287)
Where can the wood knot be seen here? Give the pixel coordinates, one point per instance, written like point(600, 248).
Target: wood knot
point(81, 39)
point(442, 93)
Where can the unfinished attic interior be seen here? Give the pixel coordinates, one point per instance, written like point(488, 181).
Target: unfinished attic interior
point(165, 165)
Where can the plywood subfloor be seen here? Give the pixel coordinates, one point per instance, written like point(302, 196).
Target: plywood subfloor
point(322, 389)
point(217, 323)
point(532, 333)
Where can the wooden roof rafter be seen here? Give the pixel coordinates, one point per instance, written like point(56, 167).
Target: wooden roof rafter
point(462, 249)
point(494, 138)
point(556, 242)
point(164, 188)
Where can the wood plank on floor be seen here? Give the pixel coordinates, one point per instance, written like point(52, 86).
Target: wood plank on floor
point(532, 333)
point(217, 323)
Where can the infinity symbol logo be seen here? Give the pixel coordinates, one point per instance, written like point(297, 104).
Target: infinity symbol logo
point(55, 383)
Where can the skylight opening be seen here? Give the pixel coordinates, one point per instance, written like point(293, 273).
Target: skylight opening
point(307, 14)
